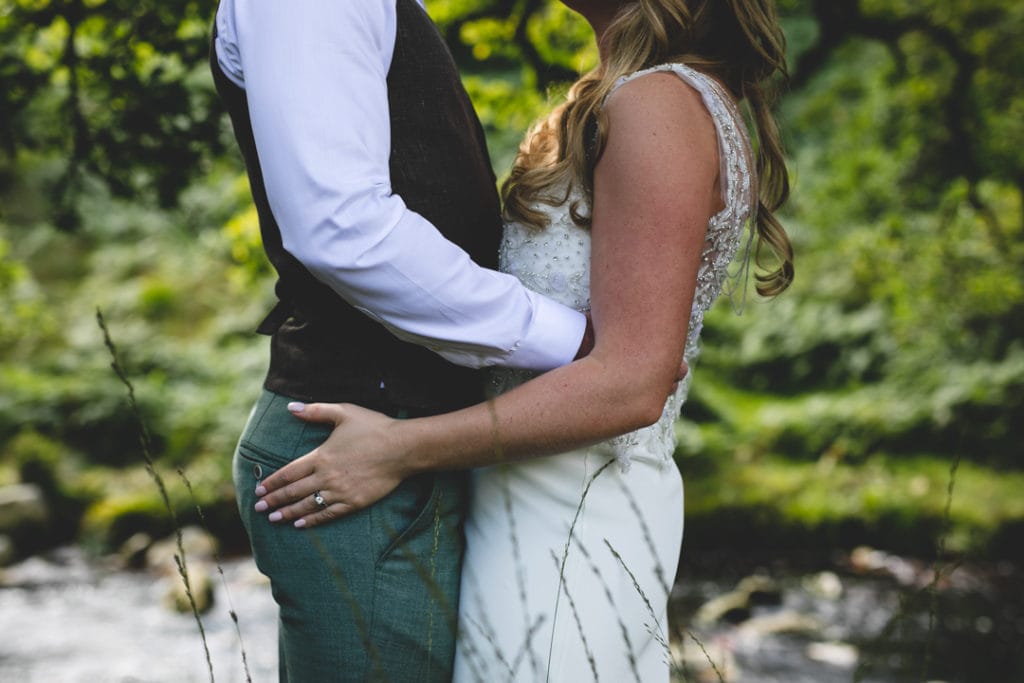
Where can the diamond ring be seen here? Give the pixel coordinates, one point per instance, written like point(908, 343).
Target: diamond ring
point(319, 500)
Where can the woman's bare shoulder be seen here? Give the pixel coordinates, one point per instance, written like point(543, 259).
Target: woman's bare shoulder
point(662, 94)
point(661, 114)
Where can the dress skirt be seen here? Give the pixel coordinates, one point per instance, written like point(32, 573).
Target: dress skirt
point(568, 568)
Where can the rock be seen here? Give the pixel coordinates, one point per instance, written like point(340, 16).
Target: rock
point(864, 560)
point(707, 662)
point(761, 590)
point(22, 505)
point(840, 655)
point(132, 553)
point(826, 585)
point(736, 605)
point(7, 552)
point(200, 554)
point(200, 579)
point(198, 545)
point(733, 607)
point(785, 621)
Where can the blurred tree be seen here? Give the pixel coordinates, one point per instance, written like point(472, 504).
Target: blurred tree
point(904, 334)
point(118, 88)
point(911, 116)
point(906, 139)
point(957, 66)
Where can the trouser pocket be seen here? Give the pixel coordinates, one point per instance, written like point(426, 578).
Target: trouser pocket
point(370, 596)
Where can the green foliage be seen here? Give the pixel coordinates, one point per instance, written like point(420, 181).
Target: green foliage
point(166, 284)
point(119, 89)
point(897, 501)
point(36, 459)
point(898, 347)
point(242, 231)
point(54, 468)
point(126, 502)
point(902, 333)
point(516, 57)
point(26, 322)
point(506, 109)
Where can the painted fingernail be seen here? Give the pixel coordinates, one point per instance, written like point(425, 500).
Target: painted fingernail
point(275, 516)
point(299, 523)
point(261, 491)
point(261, 506)
point(296, 406)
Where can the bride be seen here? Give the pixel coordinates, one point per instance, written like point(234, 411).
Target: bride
point(630, 201)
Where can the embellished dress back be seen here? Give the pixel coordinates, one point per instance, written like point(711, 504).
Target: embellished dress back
point(571, 558)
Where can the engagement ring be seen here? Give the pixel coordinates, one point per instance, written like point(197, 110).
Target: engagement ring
point(319, 500)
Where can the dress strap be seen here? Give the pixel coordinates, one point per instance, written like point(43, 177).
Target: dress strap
point(734, 142)
point(739, 190)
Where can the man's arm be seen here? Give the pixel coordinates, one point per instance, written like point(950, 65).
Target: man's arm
point(315, 75)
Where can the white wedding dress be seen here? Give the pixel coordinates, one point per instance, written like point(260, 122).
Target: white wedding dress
point(570, 559)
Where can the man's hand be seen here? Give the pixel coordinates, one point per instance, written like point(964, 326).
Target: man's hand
point(683, 369)
point(587, 343)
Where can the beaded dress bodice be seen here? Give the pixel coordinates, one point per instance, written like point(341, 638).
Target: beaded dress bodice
point(555, 261)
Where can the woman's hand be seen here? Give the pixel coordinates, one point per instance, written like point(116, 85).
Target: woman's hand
point(359, 463)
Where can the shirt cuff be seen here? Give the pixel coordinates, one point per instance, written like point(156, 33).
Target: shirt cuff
point(553, 338)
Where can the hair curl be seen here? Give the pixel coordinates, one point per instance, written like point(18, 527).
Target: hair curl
point(737, 42)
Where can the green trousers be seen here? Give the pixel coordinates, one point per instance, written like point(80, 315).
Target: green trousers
point(370, 597)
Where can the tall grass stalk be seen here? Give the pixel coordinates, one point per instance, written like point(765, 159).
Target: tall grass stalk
point(145, 443)
point(930, 592)
point(350, 600)
point(623, 629)
point(654, 630)
point(223, 579)
point(487, 632)
point(707, 655)
point(433, 573)
point(579, 625)
point(659, 570)
point(684, 669)
point(938, 567)
point(517, 558)
point(526, 650)
point(565, 558)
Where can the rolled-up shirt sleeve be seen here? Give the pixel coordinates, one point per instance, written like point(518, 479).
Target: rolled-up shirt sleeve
point(315, 76)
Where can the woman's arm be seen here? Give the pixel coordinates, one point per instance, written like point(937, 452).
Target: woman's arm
point(655, 188)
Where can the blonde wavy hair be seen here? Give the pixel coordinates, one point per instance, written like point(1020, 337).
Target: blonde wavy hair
point(737, 42)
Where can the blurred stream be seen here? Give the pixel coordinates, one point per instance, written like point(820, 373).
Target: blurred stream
point(66, 619)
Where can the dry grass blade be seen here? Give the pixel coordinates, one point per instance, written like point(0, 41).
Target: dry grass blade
point(579, 625)
point(937, 567)
point(565, 555)
point(655, 630)
point(350, 600)
point(147, 453)
point(223, 579)
point(623, 629)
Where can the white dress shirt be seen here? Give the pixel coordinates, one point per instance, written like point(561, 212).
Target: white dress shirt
point(315, 75)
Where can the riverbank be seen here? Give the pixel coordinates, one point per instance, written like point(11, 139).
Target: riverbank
point(65, 617)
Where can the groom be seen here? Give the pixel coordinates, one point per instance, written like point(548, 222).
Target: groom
point(376, 201)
